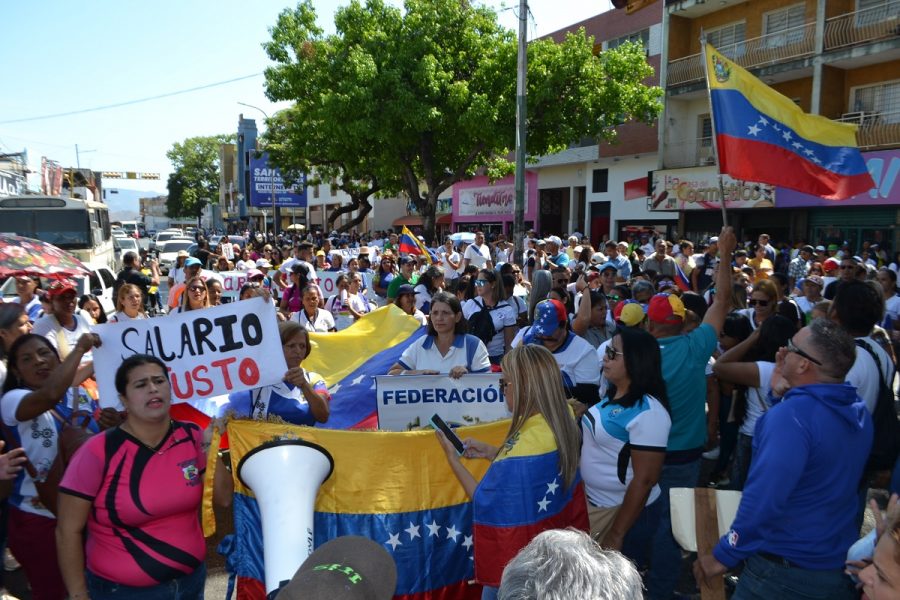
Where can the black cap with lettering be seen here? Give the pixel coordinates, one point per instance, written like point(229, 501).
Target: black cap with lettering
point(349, 567)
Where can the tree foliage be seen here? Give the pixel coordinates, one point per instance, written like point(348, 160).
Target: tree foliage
point(195, 175)
point(423, 98)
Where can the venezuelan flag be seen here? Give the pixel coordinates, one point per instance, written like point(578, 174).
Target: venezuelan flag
point(681, 280)
point(521, 495)
point(348, 359)
point(394, 488)
point(763, 136)
point(410, 244)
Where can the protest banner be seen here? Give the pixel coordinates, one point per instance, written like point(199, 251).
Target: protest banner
point(209, 352)
point(232, 281)
point(407, 401)
point(327, 281)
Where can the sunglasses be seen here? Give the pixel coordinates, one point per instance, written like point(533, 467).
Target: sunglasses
point(612, 353)
point(253, 285)
point(614, 297)
point(481, 282)
point(791, 347)
point(754, 302)
point(197, 288)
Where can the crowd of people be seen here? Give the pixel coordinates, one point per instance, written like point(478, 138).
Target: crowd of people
point(633, 362)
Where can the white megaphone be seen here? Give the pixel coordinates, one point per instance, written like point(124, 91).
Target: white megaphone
point(285, 476)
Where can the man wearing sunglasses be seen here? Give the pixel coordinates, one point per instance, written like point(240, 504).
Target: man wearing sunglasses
point(797, 514)
point(848, 271)
point(576, 358)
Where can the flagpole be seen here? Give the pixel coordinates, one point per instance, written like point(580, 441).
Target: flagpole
point(712, 122)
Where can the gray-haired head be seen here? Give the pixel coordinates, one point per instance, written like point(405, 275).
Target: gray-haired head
point(829, 339)
point(541, 283)
point(561, 564)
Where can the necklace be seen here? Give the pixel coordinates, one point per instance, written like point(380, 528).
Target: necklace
point(146, 445)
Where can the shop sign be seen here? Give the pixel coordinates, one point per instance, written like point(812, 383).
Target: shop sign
point(698, 189)
point(488, 200)
point(884, 167)
point(11, 184)
point(263, 177)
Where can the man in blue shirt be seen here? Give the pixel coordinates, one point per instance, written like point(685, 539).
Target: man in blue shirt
point(684, 360)
point(797, 514)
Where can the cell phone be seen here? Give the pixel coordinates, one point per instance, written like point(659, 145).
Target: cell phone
point(438, 423)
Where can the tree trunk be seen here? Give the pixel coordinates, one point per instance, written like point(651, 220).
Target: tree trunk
point(429, 226)
point(356, 202)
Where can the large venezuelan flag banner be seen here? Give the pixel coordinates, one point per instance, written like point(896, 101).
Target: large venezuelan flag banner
point(764, 136)
point(348, 359)
point(394, 488)
point(410, 244)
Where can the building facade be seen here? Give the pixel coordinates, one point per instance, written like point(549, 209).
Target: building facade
point(836, 58)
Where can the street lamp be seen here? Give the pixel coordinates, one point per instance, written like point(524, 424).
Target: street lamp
point(271, 176)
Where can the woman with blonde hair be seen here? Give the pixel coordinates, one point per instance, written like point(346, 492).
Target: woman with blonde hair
point(129, 304)
point(533, 482)
point(195, 296)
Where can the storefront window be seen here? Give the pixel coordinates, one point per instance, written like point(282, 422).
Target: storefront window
point(854, 236)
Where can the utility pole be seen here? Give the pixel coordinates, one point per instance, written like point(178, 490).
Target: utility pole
point(519, 217)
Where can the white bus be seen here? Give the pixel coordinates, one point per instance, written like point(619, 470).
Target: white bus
point(77, 226)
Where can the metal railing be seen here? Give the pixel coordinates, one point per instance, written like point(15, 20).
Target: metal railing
point(693, 152)
point(781, 46)
point(863, 26)
point(876, 129)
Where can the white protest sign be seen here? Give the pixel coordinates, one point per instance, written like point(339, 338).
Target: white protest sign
point(232, 281)
point(327, 281)
point(209, 352)
point(408, 401)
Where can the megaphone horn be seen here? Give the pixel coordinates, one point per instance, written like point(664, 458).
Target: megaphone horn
point(285, 476)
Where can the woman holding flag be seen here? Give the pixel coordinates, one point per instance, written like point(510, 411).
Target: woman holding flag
point(533, 483)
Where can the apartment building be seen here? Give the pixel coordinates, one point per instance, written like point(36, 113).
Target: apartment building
point(836, 58)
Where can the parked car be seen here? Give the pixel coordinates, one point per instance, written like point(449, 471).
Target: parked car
point(121, 245)
point(164, 236)
point(169, 252)
point(100, 283)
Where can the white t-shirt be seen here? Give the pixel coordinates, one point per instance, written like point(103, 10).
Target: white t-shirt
point(39, 438)
point(449, 272)
point(359, 303)
point(478, 255)
point(757, 398)
point(121, 316)
point(423, 354)
point(576, 358)
point(503, 315)
point(891, 311)
point(502, 255)
point(606, 428)
point(864, 374)
point(58, 335)
point(322, 322)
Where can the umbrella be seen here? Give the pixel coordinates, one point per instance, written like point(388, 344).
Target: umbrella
point(22, 255)
point(463, 236)
point(296, 227)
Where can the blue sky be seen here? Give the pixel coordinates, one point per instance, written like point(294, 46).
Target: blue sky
point(63, 56)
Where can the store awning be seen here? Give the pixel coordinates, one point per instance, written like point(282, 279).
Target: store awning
point(444, 219)
point(408, 221)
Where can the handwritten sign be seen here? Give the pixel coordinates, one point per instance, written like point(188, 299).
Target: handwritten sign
point(328, 279)
point(209, 352)
point(408, 401)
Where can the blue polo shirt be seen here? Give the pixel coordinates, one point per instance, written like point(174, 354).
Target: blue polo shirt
point(684, 359)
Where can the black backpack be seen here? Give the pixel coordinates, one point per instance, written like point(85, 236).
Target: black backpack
point(481, 324)
point(886, 438)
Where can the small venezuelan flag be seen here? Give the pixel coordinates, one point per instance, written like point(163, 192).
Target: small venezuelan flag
point(410, 244)
point(764, 136)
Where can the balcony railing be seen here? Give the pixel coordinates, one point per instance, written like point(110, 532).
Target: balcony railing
point(782, 46)
point(694, 152)
point(862, 26)
point(876, 129)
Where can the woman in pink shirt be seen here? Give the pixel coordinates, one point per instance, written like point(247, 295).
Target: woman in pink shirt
point(137, 490)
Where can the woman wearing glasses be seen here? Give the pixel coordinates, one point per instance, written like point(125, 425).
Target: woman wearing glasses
point(195, 296)
point(762, 304)
point(538, 459)
point(487, 313)
point(357, 303)
point(624, 440)
point(749, 366)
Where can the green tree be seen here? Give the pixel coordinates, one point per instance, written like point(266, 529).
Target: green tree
point(195, 175)
point(427, 95)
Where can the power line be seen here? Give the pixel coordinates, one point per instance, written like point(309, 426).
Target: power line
point(129, 102)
